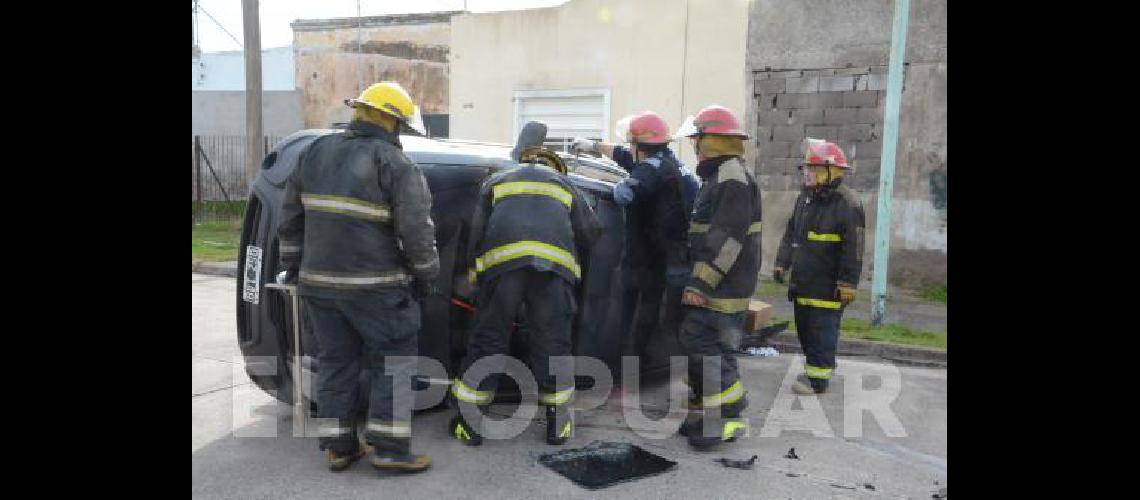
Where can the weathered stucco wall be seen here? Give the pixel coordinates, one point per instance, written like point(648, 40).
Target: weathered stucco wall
point(810, 45)
point(331, 66)
point(670, 56)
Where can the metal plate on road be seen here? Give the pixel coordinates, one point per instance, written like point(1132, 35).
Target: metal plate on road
point(252, 285)
point(602, 463)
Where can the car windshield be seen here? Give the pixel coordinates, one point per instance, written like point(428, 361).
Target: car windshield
point(602, 169)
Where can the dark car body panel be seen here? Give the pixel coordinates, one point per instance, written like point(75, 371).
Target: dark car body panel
point(454, 171)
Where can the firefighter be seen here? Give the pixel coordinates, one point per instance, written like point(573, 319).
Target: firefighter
point(724, 245)
point(657, 196)
point(357, 237)
point(530, 231)
point(823, 243)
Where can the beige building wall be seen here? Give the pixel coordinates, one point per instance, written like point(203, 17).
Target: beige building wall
point(410, 49)
point(670, 56)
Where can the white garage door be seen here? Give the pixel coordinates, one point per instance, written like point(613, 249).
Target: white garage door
point(566, 113)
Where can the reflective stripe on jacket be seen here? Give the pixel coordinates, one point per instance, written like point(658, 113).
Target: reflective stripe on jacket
point(530, 216)
point(724, 235)
point(823, 245)
point(357, 215)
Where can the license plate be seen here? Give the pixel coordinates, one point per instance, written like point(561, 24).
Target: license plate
point(251, 290)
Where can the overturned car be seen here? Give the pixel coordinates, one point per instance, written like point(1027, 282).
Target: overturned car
point(454, 171)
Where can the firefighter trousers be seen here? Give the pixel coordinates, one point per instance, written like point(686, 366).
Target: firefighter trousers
point(641, 304)
point(818, 332)
point(652, 282)
point(707, 334)
point(360, 334)
point(550, 309)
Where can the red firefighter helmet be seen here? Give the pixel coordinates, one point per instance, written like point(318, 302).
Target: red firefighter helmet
point(713, 119)
point(821, 152)
point(645, 128)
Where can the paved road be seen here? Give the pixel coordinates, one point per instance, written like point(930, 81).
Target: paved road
point(235, 456)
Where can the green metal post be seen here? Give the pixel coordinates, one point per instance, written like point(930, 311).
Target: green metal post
point(887, 169)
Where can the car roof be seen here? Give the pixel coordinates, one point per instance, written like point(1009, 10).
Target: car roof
point(442, 151)
point(472, 153)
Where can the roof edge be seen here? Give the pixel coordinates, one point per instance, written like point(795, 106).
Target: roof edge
point(374, 21)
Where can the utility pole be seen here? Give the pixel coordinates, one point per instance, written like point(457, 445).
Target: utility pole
point(887, 169)
point(194, 30)
point(359, 53)
point(252, 46)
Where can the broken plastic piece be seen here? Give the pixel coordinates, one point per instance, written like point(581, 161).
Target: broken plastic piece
point(792, 454)
point(761, 336)
point(739, 464)
point(764, 352)
point(771, 330)
point(602, 464)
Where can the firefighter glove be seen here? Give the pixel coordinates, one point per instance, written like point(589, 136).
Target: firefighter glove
point(583, 145)
point(694, 298)
point(845, 293)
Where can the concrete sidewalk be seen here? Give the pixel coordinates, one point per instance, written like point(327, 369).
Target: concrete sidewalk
point(227, 268)
point(243, 447)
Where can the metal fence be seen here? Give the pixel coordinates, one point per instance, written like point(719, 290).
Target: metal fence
point(220, 187)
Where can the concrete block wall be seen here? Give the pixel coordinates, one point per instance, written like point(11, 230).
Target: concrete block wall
point(821, 103)
point(802, 55)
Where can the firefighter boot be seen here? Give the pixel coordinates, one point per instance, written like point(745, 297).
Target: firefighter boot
point(692, 423)
point(813, 387)
point(402, 462)
point(726, 428)
point(694, 420)
point(559, 424)
point(339, 462)
point(394, 454)
point(464, 432)
point(343, 450)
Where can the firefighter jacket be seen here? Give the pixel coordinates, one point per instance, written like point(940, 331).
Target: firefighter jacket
point(823, 243)
point(357, 216)
point(658, 197)
point(530, 216)
point(724, 235)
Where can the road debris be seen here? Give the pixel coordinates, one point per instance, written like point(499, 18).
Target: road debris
point(764, 352)
point(739, 464)
point(792, 454)
point(761, 336)
point(602, 464)
point(941, 494)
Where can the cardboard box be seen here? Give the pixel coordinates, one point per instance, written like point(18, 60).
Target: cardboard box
point(758, 315)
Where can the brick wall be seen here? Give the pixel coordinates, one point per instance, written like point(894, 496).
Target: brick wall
point(843, 105)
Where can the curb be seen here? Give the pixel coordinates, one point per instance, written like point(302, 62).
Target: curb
point(901, 354)
point(215, 268)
